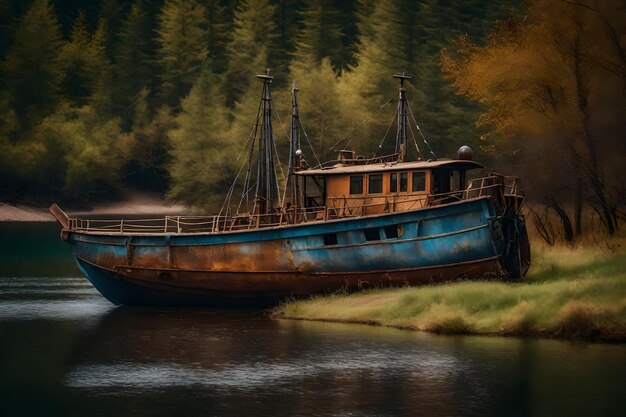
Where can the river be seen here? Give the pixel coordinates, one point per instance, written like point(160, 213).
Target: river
point(64, 350)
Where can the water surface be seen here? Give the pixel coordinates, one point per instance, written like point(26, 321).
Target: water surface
point(64, 350)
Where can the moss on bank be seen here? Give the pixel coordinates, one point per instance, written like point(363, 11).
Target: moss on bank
point(570, 293)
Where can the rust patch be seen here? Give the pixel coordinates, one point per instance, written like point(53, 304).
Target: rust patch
point(295, 283)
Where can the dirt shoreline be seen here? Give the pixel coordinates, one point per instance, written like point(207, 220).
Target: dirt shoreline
point(137, 204)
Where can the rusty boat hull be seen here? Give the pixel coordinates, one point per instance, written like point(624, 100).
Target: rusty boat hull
point(259, 268)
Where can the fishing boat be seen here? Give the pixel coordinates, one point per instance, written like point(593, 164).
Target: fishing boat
point(351, 223)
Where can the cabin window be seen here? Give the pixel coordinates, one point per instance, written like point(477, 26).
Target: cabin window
point(392, 232)
point(404, 182)
point(393, 182)
point(330, 239)
point(441, 181)
point(375, 185)
point(356, 184)
point(371, 234)
point(314, 191)
point(419, 181)
point(455, 181)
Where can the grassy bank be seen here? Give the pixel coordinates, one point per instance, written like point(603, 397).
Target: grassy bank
point(571, 293)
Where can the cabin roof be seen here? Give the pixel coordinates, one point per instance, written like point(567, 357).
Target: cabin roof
point(391, 166)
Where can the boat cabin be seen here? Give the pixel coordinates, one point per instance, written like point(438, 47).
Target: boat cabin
point(354, 187)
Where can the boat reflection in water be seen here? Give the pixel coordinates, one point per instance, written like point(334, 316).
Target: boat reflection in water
point(217, 363)
point(349, 223)
point(60, 357)
point(243, 358)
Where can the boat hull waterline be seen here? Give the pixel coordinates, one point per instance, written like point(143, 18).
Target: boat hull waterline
point(261, 267)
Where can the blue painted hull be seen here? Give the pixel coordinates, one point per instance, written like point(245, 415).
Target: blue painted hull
point(260, 267)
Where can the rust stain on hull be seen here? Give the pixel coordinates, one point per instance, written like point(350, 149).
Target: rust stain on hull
point(284, 284)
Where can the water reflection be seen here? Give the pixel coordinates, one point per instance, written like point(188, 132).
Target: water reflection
point(50, 298)
point(298, 368)
point(64, 350)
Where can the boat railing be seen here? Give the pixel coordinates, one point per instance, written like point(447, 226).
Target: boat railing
point(359, 160)
point(479, 186)
point(334, 208)
point(196, 224)
point(505, 190)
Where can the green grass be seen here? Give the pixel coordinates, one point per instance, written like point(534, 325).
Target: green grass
point(570, 293)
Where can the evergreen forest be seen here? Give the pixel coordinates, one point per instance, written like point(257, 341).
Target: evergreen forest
point(98, 96)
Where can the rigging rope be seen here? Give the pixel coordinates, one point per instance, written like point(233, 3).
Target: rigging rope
point(359, 125)
point(252, 135)
point(415, 142)
point(278, 158)
point(386, 133)
point(421, 134)
point(309, 142)
point(274, 142)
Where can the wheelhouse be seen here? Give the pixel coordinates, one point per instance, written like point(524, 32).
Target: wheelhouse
point(358, 188)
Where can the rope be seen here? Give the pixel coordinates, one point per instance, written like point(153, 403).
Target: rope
point(309, 142)
point(415, 142)
point(252, 135)
point(386, 133)
point(274, 143)
point(421, 134)
point(359, 125)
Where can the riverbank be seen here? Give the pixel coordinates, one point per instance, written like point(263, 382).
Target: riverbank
point(570, 293)
point(132, 203)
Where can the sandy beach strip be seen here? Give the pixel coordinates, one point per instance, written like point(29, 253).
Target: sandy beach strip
point(135, 204)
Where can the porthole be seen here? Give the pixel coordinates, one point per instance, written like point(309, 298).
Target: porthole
point(394, 232)
point(371, 234)
point(330, 239)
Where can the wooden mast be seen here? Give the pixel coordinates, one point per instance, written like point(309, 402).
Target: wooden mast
point(267, 187)
point(294, 150)
point(403, 120)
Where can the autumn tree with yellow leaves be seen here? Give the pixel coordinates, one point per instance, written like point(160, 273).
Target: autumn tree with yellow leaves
point(553, 87)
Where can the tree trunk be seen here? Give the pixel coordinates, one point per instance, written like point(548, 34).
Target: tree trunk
point(591, 166)
point(568, 231)
point(578, 207)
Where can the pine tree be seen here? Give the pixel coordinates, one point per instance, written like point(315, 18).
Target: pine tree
point(150, 153)
point(87, 77)
point(182, 42)
point(19, 159)
point(32, 70)
point(112, 13)
point(323, 113)
point(387, 42)
point(319, 37)
point(83, 153)
point(347, 20)
point(218, 33)
point(254, 30)
point(102, 97)
point(9, 9)
point(133, 66)
point(201, 165)
point(387, 45)
point(97, 151)
point(77, 84)
point(282, 45)
point(322, 109)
